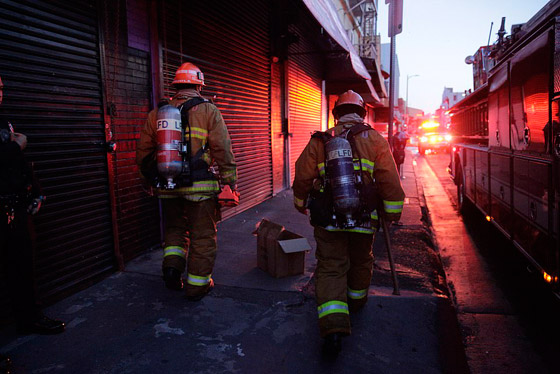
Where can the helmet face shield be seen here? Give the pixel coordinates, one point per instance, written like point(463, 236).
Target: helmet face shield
point(349, 102)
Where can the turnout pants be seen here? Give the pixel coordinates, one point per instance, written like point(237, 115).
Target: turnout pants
point(191, 240)
point(343, 275)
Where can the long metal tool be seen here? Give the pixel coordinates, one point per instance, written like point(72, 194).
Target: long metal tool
point(390, 255)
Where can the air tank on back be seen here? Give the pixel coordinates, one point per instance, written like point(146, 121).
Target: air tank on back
point(169, 159)
point(340, 173)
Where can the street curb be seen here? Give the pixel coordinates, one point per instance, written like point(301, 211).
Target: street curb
point(422, 200)
point(454, 358)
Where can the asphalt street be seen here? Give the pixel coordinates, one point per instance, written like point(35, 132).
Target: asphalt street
point(252, 322)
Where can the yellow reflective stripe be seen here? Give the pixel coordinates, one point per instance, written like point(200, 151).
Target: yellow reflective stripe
point(366, 164)
point(393, 206)
point(204, 186)
point(199, 186)
point(357, 294)
point(331, 307)
point(321, 168)
point(197, 136)
point(374, 215)
point(370, 164)
point(201, 190)
point(174, 250)
point(196, 280)
point(197, 197)
point(361, 230)
point(228, 173)
point(298, 202)
point(199, 133)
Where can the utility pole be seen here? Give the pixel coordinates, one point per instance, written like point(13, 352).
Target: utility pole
point(395, 27)
point(406, 107)
point(391, 92)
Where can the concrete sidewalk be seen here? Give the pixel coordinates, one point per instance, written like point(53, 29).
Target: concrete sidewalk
point(250, 323)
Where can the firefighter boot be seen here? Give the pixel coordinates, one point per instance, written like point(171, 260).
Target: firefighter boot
point(332, 345)
point(172, 279)
point(209, 288)
point(42, 325)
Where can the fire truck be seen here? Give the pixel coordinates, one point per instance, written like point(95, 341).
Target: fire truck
point(505, 157)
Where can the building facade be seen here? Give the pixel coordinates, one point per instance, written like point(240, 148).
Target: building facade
point(80, 78)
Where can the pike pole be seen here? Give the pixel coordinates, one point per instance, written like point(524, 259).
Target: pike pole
point(389, 254)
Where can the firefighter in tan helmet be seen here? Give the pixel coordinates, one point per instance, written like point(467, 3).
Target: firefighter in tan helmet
point(178, 145)
point(345, 176)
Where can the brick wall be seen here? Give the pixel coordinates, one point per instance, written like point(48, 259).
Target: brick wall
point(128, 89)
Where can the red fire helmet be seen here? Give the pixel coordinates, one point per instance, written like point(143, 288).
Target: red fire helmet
point(189, 73)
point(350, 100)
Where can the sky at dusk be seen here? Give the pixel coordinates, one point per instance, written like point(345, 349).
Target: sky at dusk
point(438, 35)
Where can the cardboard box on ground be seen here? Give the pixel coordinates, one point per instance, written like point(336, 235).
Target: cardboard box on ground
point(280, 252)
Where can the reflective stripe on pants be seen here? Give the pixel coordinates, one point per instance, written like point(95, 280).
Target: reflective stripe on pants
point(357, 294)
point(191, 225)
point(331, 307)
point(197, 281)
point(344, 261)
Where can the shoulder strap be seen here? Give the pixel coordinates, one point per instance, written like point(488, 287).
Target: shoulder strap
point(355, 130)
point(163, 102)
point(322, 136)
point(187, 105)
point(358, 128)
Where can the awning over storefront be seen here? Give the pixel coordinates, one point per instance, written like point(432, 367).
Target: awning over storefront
point(325, 13)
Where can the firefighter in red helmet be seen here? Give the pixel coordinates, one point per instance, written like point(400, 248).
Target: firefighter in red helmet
point(344, 176)
point(191, 207)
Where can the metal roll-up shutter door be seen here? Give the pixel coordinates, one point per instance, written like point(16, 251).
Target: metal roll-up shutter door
point(50, 64)
point(230, 43)
point(304, 88)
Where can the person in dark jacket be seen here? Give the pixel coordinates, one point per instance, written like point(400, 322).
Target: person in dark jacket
point(399, 144)
point(20, 197)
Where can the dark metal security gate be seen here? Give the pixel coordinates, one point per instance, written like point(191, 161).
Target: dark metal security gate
point(304, 86)
point(50, 64)
point(230, 42)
